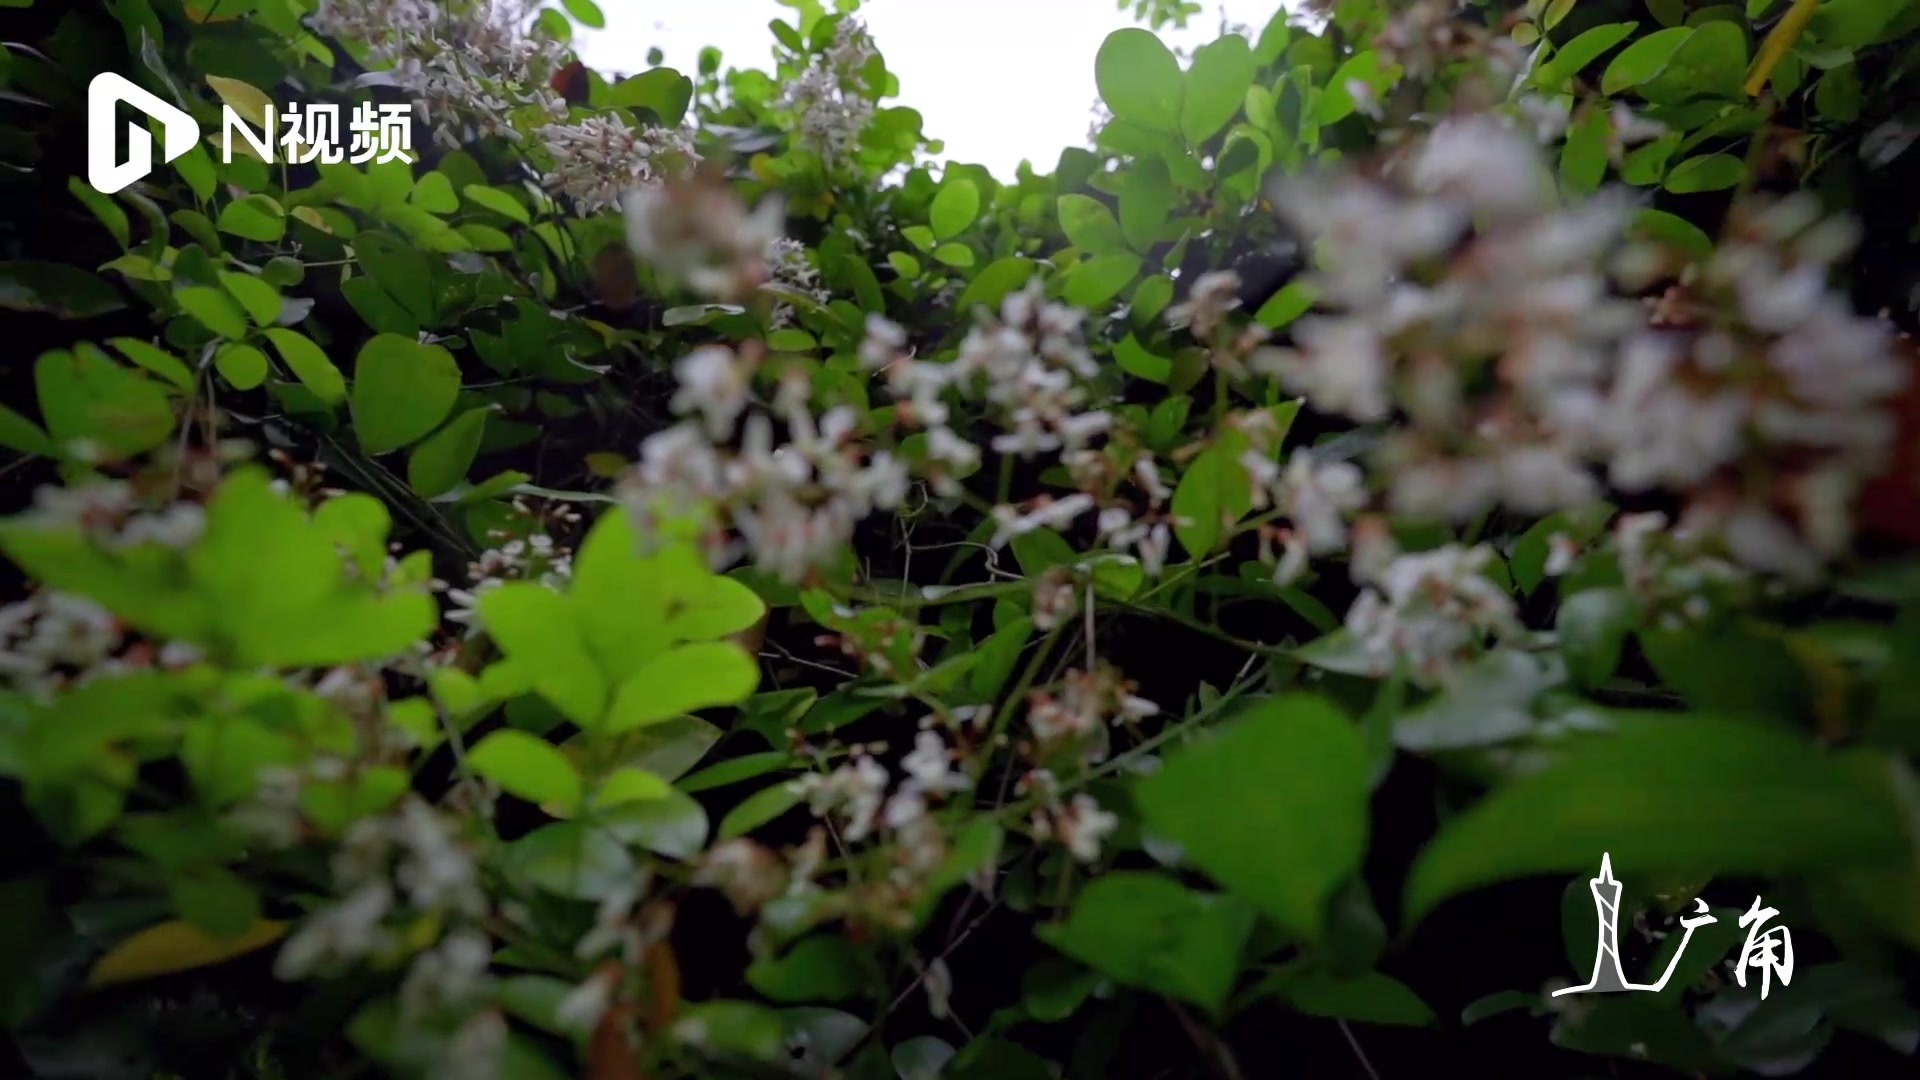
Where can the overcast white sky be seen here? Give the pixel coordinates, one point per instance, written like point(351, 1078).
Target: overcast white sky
point(999, 80)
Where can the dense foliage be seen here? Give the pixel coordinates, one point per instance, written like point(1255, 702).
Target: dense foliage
point(672, 581)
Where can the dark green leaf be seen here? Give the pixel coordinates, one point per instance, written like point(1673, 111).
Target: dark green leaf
point(1667, 794)
point(1274, 808)
point(1145, 930)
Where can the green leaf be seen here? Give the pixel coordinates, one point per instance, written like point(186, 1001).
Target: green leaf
point(109, 212)
point(309, 364)
point(1711, 62)
point(1371, 998)
point(1213, 494)
point(1291, 302)
point(1090, 225)
point(1101, 278)
point(1674, 231)
point(1140, 80)
point(1274, 39)
point(758, 809)
point(674, 826)
point(1838, 95)
point(84, 396)
point(1146, 931)
point(261, 300)
point(992, 284)
point(1680, 795)
point(998, 654)
point(663, 90)
point(1647, 164)
point(920, 236)
point(216, 900)
point(1216, 84)
point(402, 389)
point(572, 859)
point(681, 680)
point(1583, 160)
point(958, 255)
point(955, 208)
point(441, 460)
point(62, 290)
point(1151, 298)
point(19, 433)
point(1641, 61)
point(824, 967)
point(904, 264)
point(215, 309)
point(1730, 668)
point(243, 366)
point(401, 271)
point(499, 202)
point(1274, 808)
point(155, 360)
point(666, 749)
point(585, 12)
point(535, 628)
point(1146, 198)
point(1337, 101)
point(1710, 172)
point(1593, 625)
point(1573, 57)
point(434, 194)
point(528, 768)
point(1135, 360)
point(1490, 704)
point(254, 217)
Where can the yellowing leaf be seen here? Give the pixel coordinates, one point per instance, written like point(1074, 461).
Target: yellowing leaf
point(252, 103)
point(176, 945)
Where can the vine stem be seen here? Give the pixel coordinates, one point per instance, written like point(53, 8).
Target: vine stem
point(1779, 42)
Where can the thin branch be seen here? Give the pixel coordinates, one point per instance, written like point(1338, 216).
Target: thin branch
point(1372, 1073)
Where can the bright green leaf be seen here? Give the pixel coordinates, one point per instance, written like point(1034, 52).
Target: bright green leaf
point(1216, 85)
point(1091, 226)
point(954, 208)
point(309, 364)
point(528, 768)
point(402, 389)
point(1274, 808)
point(1139, 79)
point(682, 680)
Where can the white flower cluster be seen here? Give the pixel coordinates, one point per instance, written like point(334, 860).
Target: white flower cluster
point(1490, 322)
point(536, 558)
point(414, 856)
point(1031, 369)
point(831, 111)
point(471, 65)
point(1081, 824)
point(789, 269)
point(856, 791)
point(695, 230)
point(53, 640)
point(1078, 711)
point(1433, 610)
point(795, 505)
point(111, 513)
point(600, 158)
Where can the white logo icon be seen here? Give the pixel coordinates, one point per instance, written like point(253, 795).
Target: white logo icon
point(178, 132)
point(1763, 949)
point(380, 133)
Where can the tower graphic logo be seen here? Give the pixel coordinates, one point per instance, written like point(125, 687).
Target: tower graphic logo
point(1608, 976)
